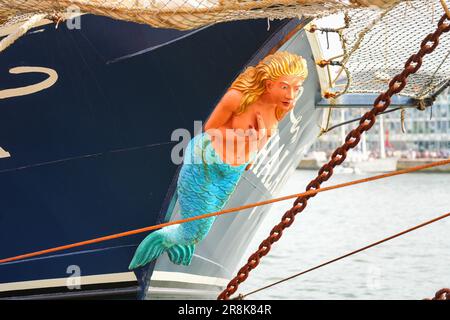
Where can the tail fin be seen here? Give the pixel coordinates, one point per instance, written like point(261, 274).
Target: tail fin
point(155, 244)
point(181, 253)
point(149, 249)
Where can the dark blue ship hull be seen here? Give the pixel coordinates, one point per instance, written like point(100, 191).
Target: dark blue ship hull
point(90, 155)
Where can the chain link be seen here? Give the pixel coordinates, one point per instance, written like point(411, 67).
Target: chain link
point(326, 171)
point(443, 294)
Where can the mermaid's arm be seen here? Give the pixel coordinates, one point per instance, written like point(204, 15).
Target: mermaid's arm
point(224, 110)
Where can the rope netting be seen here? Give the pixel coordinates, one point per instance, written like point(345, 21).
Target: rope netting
point(183, 14)
point(379, 42)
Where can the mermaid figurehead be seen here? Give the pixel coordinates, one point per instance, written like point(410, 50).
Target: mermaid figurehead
point(274, 83)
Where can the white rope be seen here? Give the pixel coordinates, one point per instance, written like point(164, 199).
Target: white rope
point(188, 14)
point(10, 39)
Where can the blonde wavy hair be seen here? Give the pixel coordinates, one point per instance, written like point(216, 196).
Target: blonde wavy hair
point(252, 82)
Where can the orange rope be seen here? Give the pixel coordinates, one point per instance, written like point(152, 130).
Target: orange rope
point(252, 205)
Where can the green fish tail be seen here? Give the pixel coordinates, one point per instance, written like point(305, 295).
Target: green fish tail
point(155, 244)
point(150, 249)
point(181, 253)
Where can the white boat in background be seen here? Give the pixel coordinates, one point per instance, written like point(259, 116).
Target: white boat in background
point(375, 165)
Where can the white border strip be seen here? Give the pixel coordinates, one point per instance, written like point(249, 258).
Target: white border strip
point(111, 278)
point(188, 278)
point(62, 282)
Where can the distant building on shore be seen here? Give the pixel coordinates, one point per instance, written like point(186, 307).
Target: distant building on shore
point(427, 133)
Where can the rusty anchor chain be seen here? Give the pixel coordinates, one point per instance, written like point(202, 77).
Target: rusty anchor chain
point(381, 103)
point(443, 294)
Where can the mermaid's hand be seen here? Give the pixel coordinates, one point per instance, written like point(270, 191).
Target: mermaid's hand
point(262, 134)
point(248, 135)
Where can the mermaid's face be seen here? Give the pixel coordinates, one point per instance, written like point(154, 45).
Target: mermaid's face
point(285, 90)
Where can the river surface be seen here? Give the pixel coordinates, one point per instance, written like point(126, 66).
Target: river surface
point(413, 266)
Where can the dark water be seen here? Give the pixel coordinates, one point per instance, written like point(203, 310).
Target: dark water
point(337, 222)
